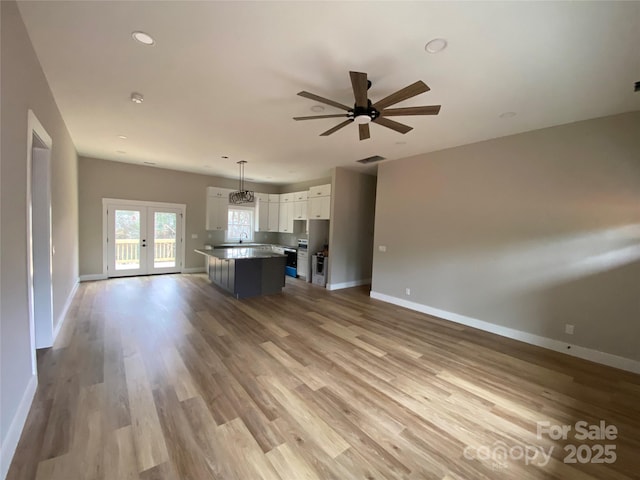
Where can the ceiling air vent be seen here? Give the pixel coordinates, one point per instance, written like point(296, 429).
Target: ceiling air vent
point(636, 88)
point(374, 159)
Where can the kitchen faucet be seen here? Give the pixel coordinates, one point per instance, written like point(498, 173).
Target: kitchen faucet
point(246, 236)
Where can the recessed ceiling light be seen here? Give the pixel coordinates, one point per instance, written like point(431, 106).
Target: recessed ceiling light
point(121, 152)
point(436, 45)
point(317, 108)
point(137, 97)
point(123, 137)
point(508, 115)
point(143, 38)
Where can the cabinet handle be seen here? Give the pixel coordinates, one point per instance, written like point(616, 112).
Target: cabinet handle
point(317, 215)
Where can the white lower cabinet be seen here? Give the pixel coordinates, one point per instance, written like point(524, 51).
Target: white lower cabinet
point(303, 264)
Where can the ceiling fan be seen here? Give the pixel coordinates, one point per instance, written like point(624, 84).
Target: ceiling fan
point(363, 111)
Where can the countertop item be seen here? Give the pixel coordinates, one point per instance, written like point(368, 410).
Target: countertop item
point(239, 253)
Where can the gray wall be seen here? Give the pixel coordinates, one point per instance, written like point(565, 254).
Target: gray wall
point(302, 186)
point(100, 179)
point(530, 231)
point(351, 227)
point(24, 87)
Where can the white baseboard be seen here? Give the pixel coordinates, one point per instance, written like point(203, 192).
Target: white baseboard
point(354, 283)
point(10, 442)
point(65, 310)
point(597, 356)
point(92, 277)
point(194, 270)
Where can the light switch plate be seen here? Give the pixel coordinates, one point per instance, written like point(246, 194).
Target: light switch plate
point(382, 248)
point(194, 236)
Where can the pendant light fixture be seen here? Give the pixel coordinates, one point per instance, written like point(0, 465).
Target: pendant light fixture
point(242, 195)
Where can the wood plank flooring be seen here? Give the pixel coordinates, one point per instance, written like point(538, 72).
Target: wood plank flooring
point(167, 377)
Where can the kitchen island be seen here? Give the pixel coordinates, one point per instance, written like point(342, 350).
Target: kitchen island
point(246, 272)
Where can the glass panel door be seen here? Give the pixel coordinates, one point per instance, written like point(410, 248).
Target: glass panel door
point(143, 240)
point(127, 241)
point(164, 228)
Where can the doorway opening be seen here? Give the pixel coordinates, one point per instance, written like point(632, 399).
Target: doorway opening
point(39, 237)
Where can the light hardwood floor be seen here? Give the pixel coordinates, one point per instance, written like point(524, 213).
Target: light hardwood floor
point(166, 377)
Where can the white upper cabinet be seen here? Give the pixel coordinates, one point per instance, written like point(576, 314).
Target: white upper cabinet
point(320, 202)
point(300, 210)
point(286, 217)
point(267, 212)
point(299, 196)
point(274, 217)
point(217, 208)
point(320, 191)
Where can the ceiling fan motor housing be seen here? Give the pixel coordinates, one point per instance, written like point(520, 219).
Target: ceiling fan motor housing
point(359, 111)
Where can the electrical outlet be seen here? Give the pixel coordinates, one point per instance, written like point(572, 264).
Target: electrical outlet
point(568, 329)
point(194, 236)
point(407, 291)
point(209, 236)
point(382, 248)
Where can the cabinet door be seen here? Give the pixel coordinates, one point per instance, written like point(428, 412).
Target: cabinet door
point(274, 216)
point(300, 210)
point(286, 217)
point(303, 264)
point(216, 213)
point(319, 208)
point(320, 191)
point(262, 215)
point(325, 207)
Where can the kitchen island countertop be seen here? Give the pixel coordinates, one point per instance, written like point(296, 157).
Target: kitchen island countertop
point(239, 253)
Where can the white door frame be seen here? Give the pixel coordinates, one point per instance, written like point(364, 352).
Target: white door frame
point(39, 241)
point(106, 202)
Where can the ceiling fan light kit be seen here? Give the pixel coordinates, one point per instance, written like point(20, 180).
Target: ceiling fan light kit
point(242, 195)
point(364, 112)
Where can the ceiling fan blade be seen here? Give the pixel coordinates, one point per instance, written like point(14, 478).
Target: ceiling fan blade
point(321, 116)
point(407, 92)
point(363, 128)
point(430, 110)
point(336, 128)
point(317, 98)
point(393, 125)
point(359, 84)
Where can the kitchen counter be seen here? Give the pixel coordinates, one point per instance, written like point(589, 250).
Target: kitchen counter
point(239, 253)
point(246, 272)
point(251, 245)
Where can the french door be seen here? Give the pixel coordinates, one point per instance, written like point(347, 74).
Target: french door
point(143, 238)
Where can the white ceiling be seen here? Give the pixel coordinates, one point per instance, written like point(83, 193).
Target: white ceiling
point(222, 77)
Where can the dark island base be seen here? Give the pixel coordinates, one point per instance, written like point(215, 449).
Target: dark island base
point(248, 277)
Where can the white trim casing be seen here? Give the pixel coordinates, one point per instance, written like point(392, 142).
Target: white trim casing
point(596, 356)
point(34, 127)
point(10, 442)
point(354, 283)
